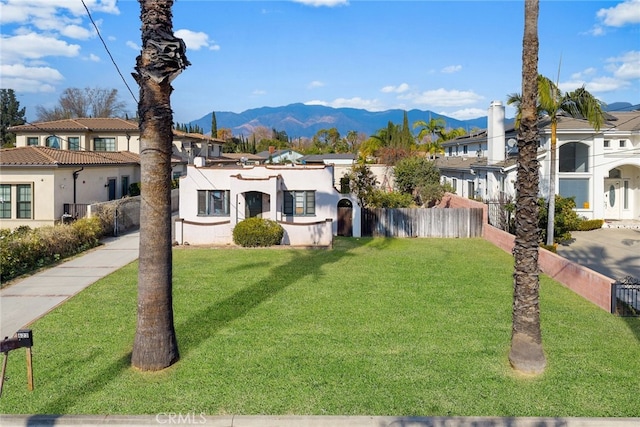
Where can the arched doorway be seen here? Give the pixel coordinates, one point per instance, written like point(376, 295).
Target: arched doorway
point(345, 218)
point(253, 204)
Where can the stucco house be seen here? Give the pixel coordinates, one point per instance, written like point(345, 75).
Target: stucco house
point(601, 170)
point(302, 198)
point(112, 135)
point(37, 182)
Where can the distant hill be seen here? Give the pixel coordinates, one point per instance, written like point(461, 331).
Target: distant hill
point(622, 106)
point(300, 120)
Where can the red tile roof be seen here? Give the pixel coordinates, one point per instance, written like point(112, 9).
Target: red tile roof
point(79, 125)
point(44, 156)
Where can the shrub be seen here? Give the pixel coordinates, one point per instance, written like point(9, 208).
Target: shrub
point(565, 221)
point(590, 224)
point(24, 250)
point(551, 248)
point(253, 232)
point(383, 199)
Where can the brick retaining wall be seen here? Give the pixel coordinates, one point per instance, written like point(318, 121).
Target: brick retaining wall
point(587, 283)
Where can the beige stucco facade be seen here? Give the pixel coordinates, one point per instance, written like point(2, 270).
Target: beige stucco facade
point(261, 191)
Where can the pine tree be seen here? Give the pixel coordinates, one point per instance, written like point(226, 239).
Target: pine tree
point(10, 115)
point(214, 125)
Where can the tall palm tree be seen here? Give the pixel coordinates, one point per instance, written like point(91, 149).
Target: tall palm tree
point(526, 353)
point(162, 58)
point(553, 103)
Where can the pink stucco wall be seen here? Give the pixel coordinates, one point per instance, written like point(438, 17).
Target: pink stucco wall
point(587, 283)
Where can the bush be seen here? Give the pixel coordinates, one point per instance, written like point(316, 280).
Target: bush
point(565, 221)
point(590, 224)
point(253, 232)
point(24, 250)
point(383, 199)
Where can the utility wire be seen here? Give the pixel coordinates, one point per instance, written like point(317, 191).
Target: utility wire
point(108, 52)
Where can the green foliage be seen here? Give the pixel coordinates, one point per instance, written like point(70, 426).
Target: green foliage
point(134, 189)
point(566, 219)
point(362, 182)
point(24, 250)
point(420, 178)
point(10, 115)
point(391, 200)
point(590, 224)
point(253, 232)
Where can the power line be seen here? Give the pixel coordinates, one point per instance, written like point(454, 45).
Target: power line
point(108, 52)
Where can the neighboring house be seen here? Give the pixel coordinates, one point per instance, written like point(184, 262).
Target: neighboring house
point(601, 170)
point(302, 198)
point(37, 182)
point(111, 135)
point(342, 163)
point(279, 156)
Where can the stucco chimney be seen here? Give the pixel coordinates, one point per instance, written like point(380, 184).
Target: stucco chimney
point(495, 133)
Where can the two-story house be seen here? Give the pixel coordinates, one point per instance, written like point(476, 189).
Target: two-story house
point(600, 169)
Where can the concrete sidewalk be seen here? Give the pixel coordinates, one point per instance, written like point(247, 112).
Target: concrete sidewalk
point(310, 421)
point(31, 298)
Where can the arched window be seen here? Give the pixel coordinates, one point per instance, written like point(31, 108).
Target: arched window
point(574, 157)
point(53, 142)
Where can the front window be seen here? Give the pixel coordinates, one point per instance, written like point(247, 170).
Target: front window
point(299, 203)
point(5, 201)
point(24, 201)
point(74, 143)
point(213, 203)
point(104, 144)
point(574, 157)
point(53, 142)
point(32, 140)
point(576, 188)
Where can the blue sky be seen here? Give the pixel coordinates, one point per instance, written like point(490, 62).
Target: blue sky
point(451, 57)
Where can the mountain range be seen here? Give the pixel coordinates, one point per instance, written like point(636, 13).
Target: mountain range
point(301, 120)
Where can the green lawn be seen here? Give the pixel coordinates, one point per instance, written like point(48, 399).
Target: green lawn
point(373, 326)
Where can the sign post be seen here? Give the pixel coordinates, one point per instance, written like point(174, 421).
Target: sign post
point(23, 338)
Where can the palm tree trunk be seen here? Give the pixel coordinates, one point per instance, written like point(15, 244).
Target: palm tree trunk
point(155, 346)
point(526, 354)
point(551, 210)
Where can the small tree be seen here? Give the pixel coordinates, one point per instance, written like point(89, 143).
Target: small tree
point(415, 173)
point(214, 125)
point(362, 182)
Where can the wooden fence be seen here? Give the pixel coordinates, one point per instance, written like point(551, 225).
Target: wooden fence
point(455, 222)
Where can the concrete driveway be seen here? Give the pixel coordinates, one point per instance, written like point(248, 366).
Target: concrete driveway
point(614, 252)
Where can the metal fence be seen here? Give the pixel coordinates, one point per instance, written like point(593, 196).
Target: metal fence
point(625, 297)
point(407, 222)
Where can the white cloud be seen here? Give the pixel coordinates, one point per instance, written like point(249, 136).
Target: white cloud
point(29, 79)
point(444, 98)
point(403, 87)
point(34, 46)
point(133, 45)
point(627, 12)
point(314, 84)
point(196, 40)
point(94, 58)
point(451, 69)
point(466, 113)
point(626, 67)
point(40, 12)
point(76, 32)
point(355, 102)
point(319, 3)
point(259, 92)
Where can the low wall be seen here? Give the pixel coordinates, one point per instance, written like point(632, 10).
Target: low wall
point(585, 282)
point(316, 234)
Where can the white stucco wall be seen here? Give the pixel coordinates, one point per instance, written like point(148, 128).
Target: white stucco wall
point(270, 180)
point(53, 187)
